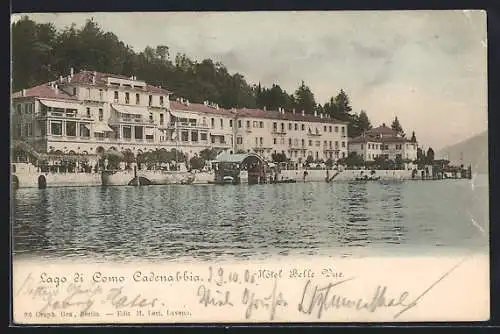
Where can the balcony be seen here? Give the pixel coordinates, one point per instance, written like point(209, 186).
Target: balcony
point(187, 125)
point(59, 114)
point(314, 133)
point(130, 120)
point(278, 132)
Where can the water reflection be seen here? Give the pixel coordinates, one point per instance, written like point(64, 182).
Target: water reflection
point(168, 222)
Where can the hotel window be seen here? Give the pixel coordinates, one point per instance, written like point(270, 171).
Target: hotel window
point(74, 91)
point(116, 97)
point(248, 124)
point(282, 127)
point(256, 141)
point(290, 141)
point(274, 141)
point(330, 128)
point(194, 136)
point(84, 131)
point(343, 144)
point(261, 124)
point(310, 143)
point(239, 124)
point(101, 114)
point(184, 136)
point(289, 126)
point(151, 117)
point(318, 143)
point(137, 99)
point(324, 128)
point(71, 129)
point(336, 144)
point(343, 154)
point(325, 143)
point(303, 127)
point(230, 123)
point(88, 112)
point(56, 128)
point(212, 138)
point(161, 101)
point(275, 126)
point(161, 119)
point(330, 144)
point(336, 129)
point(150, 103)
point(261, 140)
point(101, 94)
point(222, 123)
point(282, 141)
point(212, 123)
point(127, 97)
point(255, 124)
point(239, 140)
point(303, 142)
point(296, 126)
point(343, 130)
point(203, 136)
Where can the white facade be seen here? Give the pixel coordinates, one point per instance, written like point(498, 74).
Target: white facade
point(89, 112)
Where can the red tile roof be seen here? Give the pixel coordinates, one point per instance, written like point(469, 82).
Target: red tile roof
point(44, 91)
point(286, 116)
point(101, 80)
point(375, 139)
point(201, 108)
point(383, 129)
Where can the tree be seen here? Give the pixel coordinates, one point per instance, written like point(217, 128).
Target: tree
point(352, 160)
point(430, 156)
point(396, 126)
point(342, 103)
point(413, 138)
point(196, 162)
point(304, 99)
point(364, 123)
point(279, 157)
point(209, 154)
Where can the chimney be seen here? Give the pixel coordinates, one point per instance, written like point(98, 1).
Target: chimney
point(293, 111)
point(23, 92)
point(265, 109)
point(315, 113)
point(383, 125)
point(303, 113)
point(205, 103)
point(321, 115)
point(71, 71)
point(93, 79)
point(60, 79)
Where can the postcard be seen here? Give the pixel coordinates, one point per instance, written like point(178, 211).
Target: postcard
point(249, 167)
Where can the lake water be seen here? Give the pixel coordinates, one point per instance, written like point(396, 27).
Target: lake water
point(207, 222)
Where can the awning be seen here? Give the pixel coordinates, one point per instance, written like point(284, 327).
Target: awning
point(130, 110)
point(102, 127)
point(180, 114)
point(60, 104)
point(149, 131)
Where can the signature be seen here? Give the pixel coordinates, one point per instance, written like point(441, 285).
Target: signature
point(217, 298)
point(318, 299)
point(269, 302)
point(75, 295)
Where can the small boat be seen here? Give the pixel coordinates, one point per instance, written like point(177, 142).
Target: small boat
point(228, 180)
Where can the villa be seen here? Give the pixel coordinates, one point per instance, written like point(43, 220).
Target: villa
point(90, 112)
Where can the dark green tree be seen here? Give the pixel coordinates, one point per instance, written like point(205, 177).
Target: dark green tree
point(396, 126)
point(304, 99)
point(413, 138)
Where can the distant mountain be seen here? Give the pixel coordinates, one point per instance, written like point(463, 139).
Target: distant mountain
point(472, 151)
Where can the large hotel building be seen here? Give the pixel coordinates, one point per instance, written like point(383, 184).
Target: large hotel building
point(90, 112)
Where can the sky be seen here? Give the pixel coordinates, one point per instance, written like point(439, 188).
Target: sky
point(428, 68)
